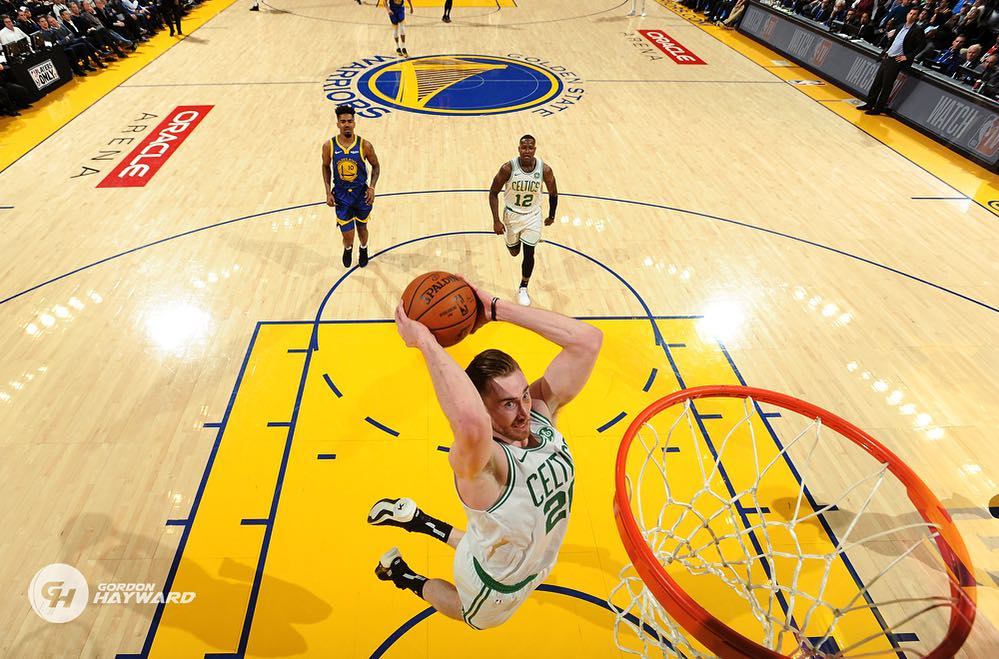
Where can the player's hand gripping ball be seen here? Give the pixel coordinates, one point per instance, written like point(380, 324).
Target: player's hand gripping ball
point(445, 303)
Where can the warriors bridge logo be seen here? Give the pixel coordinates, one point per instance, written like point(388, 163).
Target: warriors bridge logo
point(454, 85)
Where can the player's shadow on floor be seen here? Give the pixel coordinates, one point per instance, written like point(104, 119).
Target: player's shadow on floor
point(590, 557)
point(960, 508)
point(293, 258)
point(288, 606)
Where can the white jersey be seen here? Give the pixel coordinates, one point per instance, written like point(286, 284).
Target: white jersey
point(523, 190)
point(516, 541)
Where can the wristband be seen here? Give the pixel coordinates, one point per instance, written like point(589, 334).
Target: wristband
point(492, 307)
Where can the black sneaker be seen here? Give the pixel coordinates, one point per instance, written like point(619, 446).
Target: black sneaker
point(254, 8)
point(391, 566)
point(393, 512)
point(398, 51)
point(362, 258)
point(405, 53)
point(347, 256)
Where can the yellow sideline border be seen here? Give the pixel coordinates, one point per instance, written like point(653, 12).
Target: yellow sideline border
point(963, 175)
point(19, 135)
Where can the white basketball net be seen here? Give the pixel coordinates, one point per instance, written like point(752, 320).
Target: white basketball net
point(717, 535)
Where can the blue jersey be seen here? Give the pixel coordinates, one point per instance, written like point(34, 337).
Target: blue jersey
point(350, 183)
point(349, 170)
point(397, 11)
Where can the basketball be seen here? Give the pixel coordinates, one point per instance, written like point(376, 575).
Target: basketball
point(444, 303)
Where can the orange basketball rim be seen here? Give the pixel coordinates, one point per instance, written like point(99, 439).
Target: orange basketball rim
point(715, 634)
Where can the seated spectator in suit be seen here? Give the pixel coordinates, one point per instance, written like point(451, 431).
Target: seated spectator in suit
point(809, 9)
point(990, 86)
point(987, 66)
point(121, 23)
point(88, 14)
point(78, 50)
point(923, 20)
point(972, 56)
point(838, 13)
point(946, 62)
point(824, 12)
point(24, 21)
point(10, 32)
point(96, 35)
point(965, 71)
point(868, 30)
point(147, 16)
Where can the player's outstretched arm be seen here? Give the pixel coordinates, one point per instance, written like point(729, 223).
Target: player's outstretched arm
point(568, 372)
point(457, 397)
point(502, 176)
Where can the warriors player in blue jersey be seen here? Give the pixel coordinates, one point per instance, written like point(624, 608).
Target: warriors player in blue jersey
point(351, 191)
point(397, 14)
point(513, 470)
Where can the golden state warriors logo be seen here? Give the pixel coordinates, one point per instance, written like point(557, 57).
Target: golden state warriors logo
point(454, 85)
point(347, 169)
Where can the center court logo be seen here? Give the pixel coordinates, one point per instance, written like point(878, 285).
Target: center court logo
point(59, 593)
point(454, 85)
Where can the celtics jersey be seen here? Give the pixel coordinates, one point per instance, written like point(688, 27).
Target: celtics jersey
point(518, 538)
point(523, 190)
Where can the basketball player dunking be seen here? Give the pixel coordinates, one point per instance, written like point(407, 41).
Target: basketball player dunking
point(397, 15)
point(521, 223)
point(350, 192)
point(512, 468)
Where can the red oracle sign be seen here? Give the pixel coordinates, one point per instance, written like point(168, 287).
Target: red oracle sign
point(146, 159)
point(671, 47)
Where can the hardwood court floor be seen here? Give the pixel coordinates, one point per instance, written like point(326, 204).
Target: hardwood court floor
point(160, 424)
